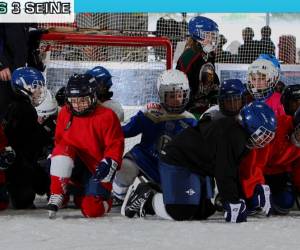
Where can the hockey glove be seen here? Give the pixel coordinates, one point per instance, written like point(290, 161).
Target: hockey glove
point(261, 200)
point(7, 158)
point(235, 212)
point(106, 170)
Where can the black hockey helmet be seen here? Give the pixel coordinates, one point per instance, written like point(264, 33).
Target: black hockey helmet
point(60, 96)
point(290, 98)
point(81, 85)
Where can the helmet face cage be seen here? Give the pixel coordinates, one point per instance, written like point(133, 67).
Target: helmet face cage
point(175, 100)
point(37, 92)
point(208, 40)
point(261, 137)
point(290, 99)
point(262, 78)
point(173, 89)
point(81, 105)
point(30, 82)
point(259, 121)
point(231, 105)
point(48, 107)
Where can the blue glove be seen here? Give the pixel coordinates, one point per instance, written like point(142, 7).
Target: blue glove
point(106, 170)
point(235, 212)
point(7, 158)
point(261, 200)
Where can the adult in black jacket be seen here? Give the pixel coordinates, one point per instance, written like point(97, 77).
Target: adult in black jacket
point(211, 149)
point(18, 46)
point(13, 54)
point(26, 136)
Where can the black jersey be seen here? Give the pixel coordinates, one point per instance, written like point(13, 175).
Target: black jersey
point(193, 62)
point(212, 148)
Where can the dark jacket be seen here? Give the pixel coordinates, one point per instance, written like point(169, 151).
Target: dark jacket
point(212, 148)
point(14, 40)
point(191, 63)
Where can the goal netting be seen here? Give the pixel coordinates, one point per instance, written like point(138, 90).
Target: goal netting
point(130, 60)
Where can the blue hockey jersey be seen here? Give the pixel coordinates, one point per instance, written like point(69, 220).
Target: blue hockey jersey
point(157, 128)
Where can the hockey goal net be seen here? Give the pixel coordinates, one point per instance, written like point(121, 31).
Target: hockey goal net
point(134, 62)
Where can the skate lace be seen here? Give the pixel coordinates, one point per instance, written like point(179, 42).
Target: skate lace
point(138, 204)
point(56, 199)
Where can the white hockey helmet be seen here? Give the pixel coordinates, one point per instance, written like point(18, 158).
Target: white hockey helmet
point(173, 81)
point(48, 106)
point(268, 67)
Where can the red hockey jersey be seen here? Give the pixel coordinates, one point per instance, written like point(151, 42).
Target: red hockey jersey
point(274, 103)
point(277, 157)
point(93, 137)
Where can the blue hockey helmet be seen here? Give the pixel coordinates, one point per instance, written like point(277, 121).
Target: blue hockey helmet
point(260, 122)
point(81, 85)
point(232, 96)
point(101, 75)
point(30, 82)
point(270, 58)
point(202, 28)
point(290, 98)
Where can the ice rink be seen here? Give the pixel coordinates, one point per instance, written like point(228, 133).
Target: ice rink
point(31, 229)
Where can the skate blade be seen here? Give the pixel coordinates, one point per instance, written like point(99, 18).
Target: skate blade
point(136, 182)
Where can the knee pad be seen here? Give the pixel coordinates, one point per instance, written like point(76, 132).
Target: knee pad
point(61, 166)
point(181, 212)
point(92, 207)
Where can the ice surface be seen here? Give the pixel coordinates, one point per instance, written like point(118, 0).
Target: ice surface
point(31, 229)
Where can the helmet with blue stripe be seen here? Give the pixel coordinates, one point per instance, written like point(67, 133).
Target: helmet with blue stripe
point(30, 82)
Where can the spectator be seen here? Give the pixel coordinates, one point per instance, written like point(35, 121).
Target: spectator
point(248, 51)
point(221, 55)
point(266, 44)
point(19, 44)
point(13, 55)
